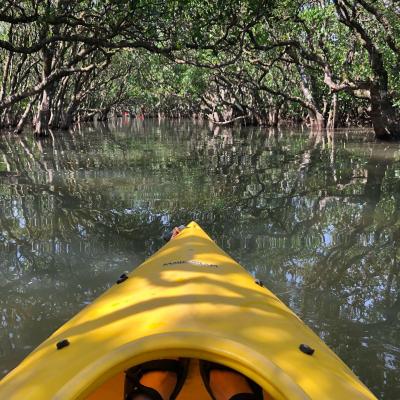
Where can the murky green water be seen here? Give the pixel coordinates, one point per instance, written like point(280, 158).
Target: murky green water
point(316, 218)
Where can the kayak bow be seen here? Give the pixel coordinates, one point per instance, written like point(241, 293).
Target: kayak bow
point(190, 299)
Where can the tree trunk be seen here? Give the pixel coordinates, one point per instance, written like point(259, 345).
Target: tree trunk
point(68, 117)
point(317, 121)
point(43, 114)
point(44, 109)
point(274, 114)
point(383, 115)
point(103, 115)
point(331, 124)
point(24, 117)
point(6, 70)
point(307, 85)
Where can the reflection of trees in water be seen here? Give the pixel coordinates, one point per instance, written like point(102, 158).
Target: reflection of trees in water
point(326, 219)
point(332, 226)
point(339, 227)
point(319, 214)
point(81, 184)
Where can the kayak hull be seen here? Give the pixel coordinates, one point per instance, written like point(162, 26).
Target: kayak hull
point(190, 299)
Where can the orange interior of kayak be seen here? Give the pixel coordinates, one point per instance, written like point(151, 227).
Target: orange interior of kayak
point(114, 387)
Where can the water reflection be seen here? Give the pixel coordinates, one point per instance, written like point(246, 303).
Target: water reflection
point(317, 217)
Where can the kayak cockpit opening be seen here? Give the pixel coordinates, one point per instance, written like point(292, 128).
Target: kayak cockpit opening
point(180, 379)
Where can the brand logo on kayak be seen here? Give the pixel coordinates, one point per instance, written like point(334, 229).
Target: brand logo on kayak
point(193, 262)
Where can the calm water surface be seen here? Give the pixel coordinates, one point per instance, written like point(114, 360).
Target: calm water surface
point(317, 218)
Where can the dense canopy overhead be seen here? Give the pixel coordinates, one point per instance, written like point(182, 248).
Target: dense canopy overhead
point(327, 63)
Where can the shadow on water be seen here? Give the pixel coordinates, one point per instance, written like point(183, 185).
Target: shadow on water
point(315, 216)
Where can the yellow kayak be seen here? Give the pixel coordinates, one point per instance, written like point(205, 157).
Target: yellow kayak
point(192, 300)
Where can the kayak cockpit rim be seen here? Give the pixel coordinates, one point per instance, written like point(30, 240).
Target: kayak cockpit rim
point(183, 344)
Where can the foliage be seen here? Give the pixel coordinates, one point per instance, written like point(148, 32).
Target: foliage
point(328, 63)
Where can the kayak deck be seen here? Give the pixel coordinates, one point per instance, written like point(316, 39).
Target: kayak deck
point(190, 299)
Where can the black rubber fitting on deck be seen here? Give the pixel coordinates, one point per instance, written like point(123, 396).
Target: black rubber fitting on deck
point(62, 343)
point(259, 283)
point(122, 278)
point(306, 349)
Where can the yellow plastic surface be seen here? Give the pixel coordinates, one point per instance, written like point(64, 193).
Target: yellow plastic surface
point(190, 299)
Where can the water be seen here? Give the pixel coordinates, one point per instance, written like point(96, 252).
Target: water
point(317, 218)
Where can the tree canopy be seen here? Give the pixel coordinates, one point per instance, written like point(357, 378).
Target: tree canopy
point(326, 63)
